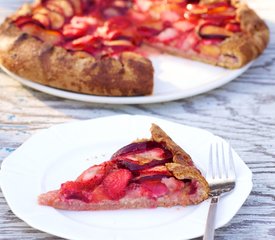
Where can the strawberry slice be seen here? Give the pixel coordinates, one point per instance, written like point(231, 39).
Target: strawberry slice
point(87, 41)
point(167, 35)
point(184, 26)
point(98, 195)
point(95, 173)
point(155, 188)
point(115, 183)
point(143, 5)
point(71, 32)
point(169, 16)
point(75, 190)
point(188, 42)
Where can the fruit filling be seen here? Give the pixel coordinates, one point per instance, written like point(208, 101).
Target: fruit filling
point(136, 170)
point(107, 28)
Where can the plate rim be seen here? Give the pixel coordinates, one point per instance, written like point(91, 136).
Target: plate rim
point(5, 161)
point(184, 93)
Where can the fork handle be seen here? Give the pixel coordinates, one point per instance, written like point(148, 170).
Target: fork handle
point(210, 223)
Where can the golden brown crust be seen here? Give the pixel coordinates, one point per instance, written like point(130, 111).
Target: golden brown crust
point(182, 166)
point(30, 58)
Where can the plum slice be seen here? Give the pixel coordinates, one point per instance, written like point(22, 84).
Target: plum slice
point(49, 36)
point(211, 31)
point(154, 173)
point(142, 155)
point(42, 19)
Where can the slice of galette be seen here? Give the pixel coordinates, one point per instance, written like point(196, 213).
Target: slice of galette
point(148, 173)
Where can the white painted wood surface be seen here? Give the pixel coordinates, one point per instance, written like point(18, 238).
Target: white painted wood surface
point(242, 111)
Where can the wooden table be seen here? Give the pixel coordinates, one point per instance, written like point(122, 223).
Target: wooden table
point(242, 111)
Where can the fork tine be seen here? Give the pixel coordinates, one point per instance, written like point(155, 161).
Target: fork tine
point(210, 171)
point(225, 169)
point(217, 160)
point(231, 162)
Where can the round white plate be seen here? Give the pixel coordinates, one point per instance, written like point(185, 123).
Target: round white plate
point(62, 152)
point(175, 78)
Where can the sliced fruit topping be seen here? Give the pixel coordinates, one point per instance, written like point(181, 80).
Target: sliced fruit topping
point(170, 16)
point(79, 26)
point(115, 183)
point(209, 31)
point(75, 190)
point(99, 194)
point(196, 8)
point(56, 19)
point(172, 184)
point(142, 155)
point(154, 188)
point(23, 20)
point(43, 19)
point(52, 6)
point(218, 7)
point(136, 147)
point(167, 35)
point(118, 43)
point(233, 27)
point(147, 31)
point(188, 42)
point(184, 26)
point(77, 6)
point(87, 42)
point(193, 187)
point(157, 172)
point(66, 7)
point(222, 16)
point(143, 5)
point(95, 174)
point(70, 32)
point(49, 36)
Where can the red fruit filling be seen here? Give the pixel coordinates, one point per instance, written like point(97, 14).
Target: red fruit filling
point(136, 170)
point(107, 28)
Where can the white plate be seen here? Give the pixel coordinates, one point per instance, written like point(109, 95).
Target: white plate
point(175, 78)
point(62, 152)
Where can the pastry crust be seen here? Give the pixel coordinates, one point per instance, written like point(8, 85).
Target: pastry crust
point(30, 58)
point(240, 49)
point(182, 166)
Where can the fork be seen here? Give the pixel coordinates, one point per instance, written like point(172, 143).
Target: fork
point(221, 176)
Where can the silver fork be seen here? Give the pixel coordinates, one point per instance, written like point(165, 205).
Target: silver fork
point(221, 176)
